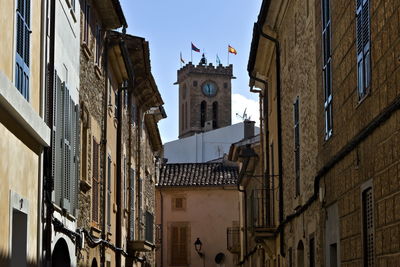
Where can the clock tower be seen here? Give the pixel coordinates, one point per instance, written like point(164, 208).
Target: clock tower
point(204, 97)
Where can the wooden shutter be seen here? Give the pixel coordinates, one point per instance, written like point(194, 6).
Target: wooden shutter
point(179, 250)
point(66, 190)
point(132, 204)
point(95, 182)
point(57, 139)
point(22, 57)
point(368, 225)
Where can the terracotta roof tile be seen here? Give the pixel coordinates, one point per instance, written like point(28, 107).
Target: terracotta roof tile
point(198, 174)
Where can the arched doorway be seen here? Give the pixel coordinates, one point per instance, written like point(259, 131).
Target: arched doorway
point(300, 254)
point(94, 262)
point(60, 257)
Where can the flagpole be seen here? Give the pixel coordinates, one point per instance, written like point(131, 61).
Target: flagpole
point(191, 53)
point(228, 57)
point(180, 59)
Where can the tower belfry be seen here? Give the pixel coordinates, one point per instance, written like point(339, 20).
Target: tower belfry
point(205, 101)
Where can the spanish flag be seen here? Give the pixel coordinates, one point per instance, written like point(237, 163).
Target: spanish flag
point(232, 50)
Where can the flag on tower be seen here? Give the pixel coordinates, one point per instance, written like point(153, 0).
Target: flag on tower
point(232, 50)
point(195, 49)
point(218, 60)
point(182, 60)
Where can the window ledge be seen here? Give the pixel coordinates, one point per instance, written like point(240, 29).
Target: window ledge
point(22, 113)
point(97, 70)
point(86, 50)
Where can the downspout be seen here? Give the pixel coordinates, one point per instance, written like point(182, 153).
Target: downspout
point(118, 180)
point(279, 120)
point(104, 144)
point(49, 180)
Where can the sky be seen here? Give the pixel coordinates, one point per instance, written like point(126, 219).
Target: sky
point(171, 25)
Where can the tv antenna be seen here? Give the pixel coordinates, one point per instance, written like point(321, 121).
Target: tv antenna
point(244, 116)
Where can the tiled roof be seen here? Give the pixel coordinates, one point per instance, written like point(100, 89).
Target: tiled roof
point(198, 174)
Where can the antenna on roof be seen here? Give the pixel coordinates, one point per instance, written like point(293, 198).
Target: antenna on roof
point(244, 116)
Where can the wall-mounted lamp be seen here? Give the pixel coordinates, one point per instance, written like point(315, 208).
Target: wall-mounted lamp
point(197, 247)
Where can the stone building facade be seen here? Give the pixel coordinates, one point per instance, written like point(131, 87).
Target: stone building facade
point(327, 75)
point(204, 97)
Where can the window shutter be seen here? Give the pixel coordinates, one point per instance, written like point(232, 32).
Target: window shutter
point(95, 183)
point(368, 224)
point(66, 191)
point(109, 193)
point(124, 189)
point(58, 144)
point(363, 46)
point(183, 245)
point(132, 205)
point(22, 72)
point(74, 155)
point(297, 144)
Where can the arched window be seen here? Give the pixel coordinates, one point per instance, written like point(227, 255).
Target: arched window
point(203, 110)
point(300, 254)
point(215, 115)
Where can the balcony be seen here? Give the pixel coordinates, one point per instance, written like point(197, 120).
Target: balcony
point(145, 241)
point(233, 240)
point(261, 217)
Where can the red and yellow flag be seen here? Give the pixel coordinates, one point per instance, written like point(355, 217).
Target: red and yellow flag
point(232, 50)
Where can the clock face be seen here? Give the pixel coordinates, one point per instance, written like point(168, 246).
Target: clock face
point(209, 88)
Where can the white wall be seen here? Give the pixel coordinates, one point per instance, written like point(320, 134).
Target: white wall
point(206, 146)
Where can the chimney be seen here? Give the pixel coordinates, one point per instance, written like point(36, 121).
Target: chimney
point(248, 129)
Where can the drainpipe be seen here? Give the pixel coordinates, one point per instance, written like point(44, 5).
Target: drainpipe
point(119, 179)
point(48, 179)
point(278, 96)
point(104, 144)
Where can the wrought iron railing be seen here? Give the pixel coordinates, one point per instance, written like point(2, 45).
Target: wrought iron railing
point(233, 239)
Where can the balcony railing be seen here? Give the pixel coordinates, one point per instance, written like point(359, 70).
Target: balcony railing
point(233, 239)
point(262, 210)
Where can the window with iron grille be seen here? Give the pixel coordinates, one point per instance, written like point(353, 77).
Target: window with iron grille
point(215, 115)
point(327, 68)
point(149, 228)
point(95, 182)
point(297, 145)
point(22, 55)
point(203, 110)
point(368, 227)
point(312, 252)
point(363, 47)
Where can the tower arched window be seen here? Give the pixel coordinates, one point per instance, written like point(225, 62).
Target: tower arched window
point(215, 115)
point(300, 254)
point(203, 110)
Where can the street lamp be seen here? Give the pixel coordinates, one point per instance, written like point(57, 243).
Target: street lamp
point(197, 247)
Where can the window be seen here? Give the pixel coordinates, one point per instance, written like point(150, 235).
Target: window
point(183, 116)
point(363, 47)
point(115, 103)
point(290, 259)
point(203, 110)
point(149, 232)
point(300, 254)
point(368, 227)
point(22, 57)
point(297, 145)
point(133, 113)
point(327, 69)
point(194, 83)
point(132, 204)
point(179, 244)
point(64, 147)
point(95, 182)
point(215, 115)
point(312, 252)
point(86, 26)
point(333, 255)
point(126, 98)
point(109, 193)
point(140, 204)
point(124, 189)
point(225, 85)
point(178, 203)
point(98, 45)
